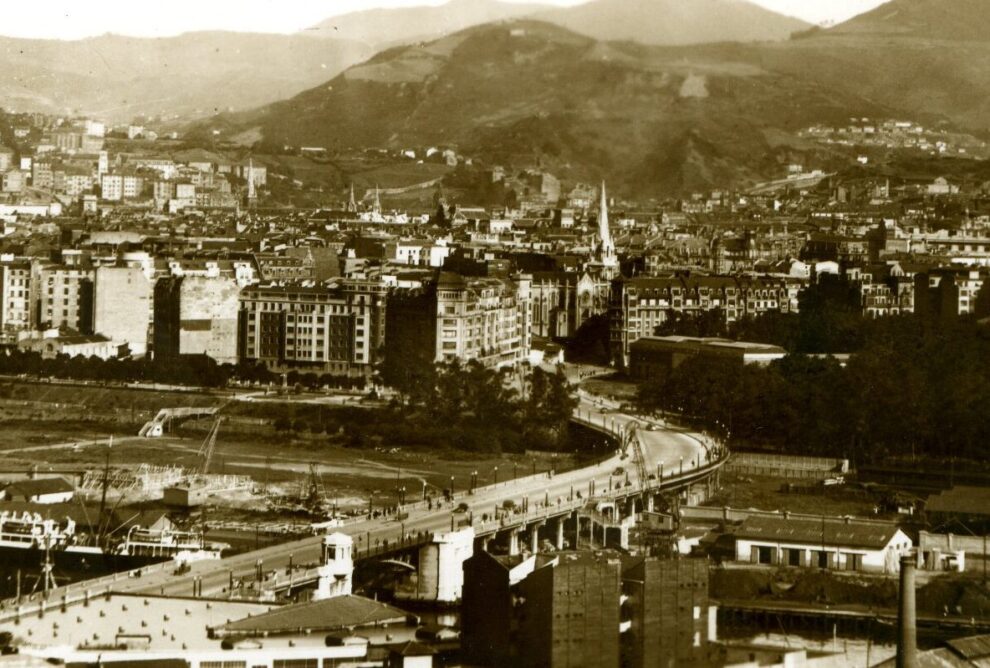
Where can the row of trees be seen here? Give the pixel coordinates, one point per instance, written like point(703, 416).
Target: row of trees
point(911, 389)
point(189, 370)
point(485, 409)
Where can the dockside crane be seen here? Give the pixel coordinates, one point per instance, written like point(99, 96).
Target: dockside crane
point(206, 449)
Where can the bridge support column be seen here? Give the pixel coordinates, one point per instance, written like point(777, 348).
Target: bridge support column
point(513, 542)
point(648, 504)
point(559, 534)
point(534, 539)
point(484, 541)
point(624, 537)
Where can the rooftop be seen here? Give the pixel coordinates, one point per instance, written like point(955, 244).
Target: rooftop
point(332, 614)
point(746, 347)
point(846, 532)
point(961, 499)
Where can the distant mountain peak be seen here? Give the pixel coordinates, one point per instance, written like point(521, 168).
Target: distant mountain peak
point(384, 27)
point(932, 19)
point(676, 22)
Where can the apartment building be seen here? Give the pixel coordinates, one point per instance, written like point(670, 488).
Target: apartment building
point(639, 305)
point(337, 329)
point(15, 296)
point(459, 317)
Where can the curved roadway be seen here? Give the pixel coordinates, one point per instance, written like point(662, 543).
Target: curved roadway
point(659, 445)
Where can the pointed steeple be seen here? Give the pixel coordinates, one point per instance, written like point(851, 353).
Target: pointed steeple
point(606, 247)
point(352, 203)
point(252, 192)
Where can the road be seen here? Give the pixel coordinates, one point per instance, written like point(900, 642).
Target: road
point(659, 444)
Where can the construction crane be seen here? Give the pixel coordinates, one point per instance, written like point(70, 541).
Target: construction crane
point(209, 445)
point(317, 496)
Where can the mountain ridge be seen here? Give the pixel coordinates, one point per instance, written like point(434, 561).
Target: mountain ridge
point(119, 76)
point(657, 118)
point(674, 22)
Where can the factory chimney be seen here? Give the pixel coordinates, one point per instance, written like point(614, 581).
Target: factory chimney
point(907, 629)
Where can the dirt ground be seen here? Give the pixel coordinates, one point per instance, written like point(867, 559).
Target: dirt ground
point(959, 595)
point(36, 415)
point(764, 493)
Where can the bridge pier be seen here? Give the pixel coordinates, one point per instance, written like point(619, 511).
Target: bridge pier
point(513, 542)
point(559, 533)
point(649, 501)
point(534, 537)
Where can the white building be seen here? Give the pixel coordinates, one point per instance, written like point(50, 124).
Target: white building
point(337, 569)
point(806, 541)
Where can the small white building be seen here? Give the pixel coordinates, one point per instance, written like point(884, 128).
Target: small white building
point(337, 569)
point(806, 541)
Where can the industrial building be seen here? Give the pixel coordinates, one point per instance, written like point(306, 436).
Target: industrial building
point(838, 544)
point(585, 609)
point(656, 356)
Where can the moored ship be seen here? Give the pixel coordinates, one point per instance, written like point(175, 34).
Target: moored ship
point(26, 537)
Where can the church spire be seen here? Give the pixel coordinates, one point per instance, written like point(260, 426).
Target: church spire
point(606, 247)
point(352, 204)
point(377, 208)
point(252, 193)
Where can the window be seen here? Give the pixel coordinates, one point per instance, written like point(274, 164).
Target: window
point(764, 555)
point(296, 663)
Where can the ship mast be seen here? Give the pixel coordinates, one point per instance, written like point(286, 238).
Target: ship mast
point(103, 494)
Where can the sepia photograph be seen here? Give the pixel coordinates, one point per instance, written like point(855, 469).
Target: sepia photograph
point(495, 333)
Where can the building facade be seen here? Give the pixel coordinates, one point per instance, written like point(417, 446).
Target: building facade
point(122, 306)
point(338, 329)
point(196, 315)
point(464, 318)
point(640, 305)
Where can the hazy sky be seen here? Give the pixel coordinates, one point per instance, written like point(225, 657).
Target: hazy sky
point(71, 19)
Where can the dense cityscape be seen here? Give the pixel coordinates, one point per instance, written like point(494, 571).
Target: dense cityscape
point(287, 394)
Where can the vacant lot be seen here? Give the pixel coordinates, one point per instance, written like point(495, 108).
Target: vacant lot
point(765, 493)
point(37, 415)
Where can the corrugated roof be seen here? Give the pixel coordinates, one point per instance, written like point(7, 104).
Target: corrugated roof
point(961, 499)
point(830, 532)
point(972, 648)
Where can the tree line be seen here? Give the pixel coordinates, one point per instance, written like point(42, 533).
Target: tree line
point(188, 370)
point(482, 409)
point(910, 388)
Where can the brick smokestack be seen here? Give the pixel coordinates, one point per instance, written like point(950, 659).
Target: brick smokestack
point(907, 626)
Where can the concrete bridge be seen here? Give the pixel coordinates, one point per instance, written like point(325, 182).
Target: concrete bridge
point(166, 417)
point(654, 459)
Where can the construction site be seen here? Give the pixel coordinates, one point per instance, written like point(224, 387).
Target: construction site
point(255, 468)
